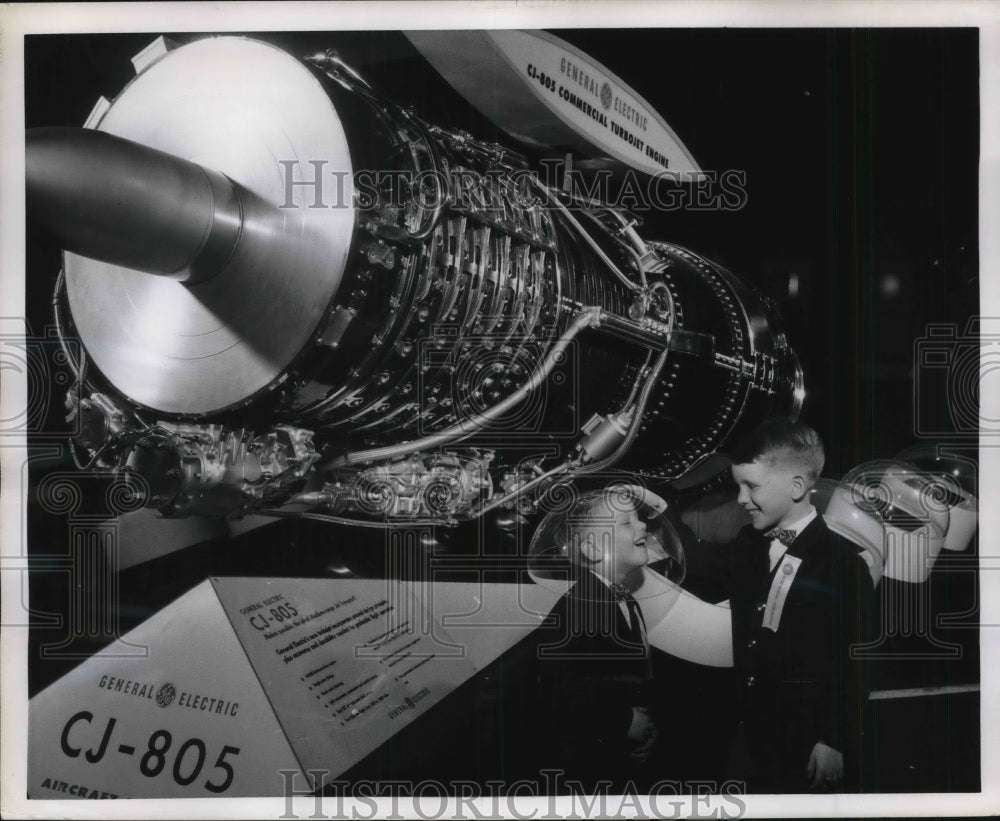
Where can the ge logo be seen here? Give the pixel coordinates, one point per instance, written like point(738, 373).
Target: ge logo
point(166, 694)
point(606, 95)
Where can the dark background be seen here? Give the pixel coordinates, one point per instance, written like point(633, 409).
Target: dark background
point(861, 151)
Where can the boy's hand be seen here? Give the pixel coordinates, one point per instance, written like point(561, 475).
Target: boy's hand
point(826, 766)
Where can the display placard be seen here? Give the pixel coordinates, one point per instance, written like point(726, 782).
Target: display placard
point(188, 720)
point(345, 663)
point(247, 677)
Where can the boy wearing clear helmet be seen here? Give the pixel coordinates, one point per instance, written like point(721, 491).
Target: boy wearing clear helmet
point(592, 659)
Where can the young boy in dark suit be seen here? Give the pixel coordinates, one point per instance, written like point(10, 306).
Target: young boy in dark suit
point(592, 659)
point(801, 599)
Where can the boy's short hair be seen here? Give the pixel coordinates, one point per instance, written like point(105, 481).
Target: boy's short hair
point(784, 440)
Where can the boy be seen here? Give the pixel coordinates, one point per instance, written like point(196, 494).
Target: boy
point(801, 598)
point(592, 659)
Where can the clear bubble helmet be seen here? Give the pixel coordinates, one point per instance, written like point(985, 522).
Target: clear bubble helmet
point(549, 561)
point(835, 502)
point(959, 476)
point(915, 508)
point(678, 623)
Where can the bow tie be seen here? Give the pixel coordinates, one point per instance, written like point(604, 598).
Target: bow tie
point(636, 622)
point(783, 535)
point(622, 593)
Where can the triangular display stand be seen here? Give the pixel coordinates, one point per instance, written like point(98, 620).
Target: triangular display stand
point(249, 677)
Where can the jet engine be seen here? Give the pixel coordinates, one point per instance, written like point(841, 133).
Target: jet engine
point(295, 297)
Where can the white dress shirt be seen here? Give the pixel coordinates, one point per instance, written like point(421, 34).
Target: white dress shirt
point(778, 548)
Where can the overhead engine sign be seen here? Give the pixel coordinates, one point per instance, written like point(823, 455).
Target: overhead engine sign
point(547, 93)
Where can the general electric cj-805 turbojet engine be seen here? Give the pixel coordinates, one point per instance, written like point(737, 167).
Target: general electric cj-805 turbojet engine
point(295, 297)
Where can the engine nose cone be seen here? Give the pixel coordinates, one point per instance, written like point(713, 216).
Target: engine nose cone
point(126, 204)
point(219, 109)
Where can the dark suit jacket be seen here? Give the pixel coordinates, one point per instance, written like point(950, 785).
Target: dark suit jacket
point(798, 684)
point(590, 670)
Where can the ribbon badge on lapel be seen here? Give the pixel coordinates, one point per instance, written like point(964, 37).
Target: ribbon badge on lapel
point(780, 586)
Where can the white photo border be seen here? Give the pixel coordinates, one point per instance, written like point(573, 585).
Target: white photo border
point(18, 20)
